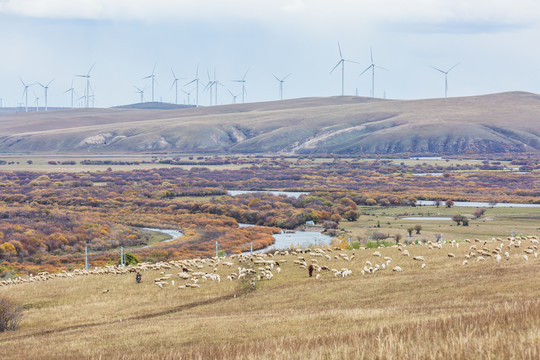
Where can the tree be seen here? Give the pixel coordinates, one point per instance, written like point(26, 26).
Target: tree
point(458, 218)
point(479, 212)
point(351, 215)
point(438, 202)
point(449, 203)
point(418, 228)
point(410, 230)
point(397, 237)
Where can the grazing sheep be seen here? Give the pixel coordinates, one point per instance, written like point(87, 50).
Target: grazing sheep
point(498, 258)
point(480, 258)
point(464, 262)
point(418, 258)
point(423, 265)
point(376, 253)
point(397, 269)
point(452, 255)
point(318, 276)
point(525, 257)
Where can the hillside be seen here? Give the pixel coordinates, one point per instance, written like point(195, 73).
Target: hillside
point(506, 122)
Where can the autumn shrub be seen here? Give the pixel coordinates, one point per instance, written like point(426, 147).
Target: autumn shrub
point(10, 314)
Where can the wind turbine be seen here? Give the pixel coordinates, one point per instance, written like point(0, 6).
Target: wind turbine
point(188, 94)
point(281, 84)
point(46, 87)
point(445, 78)
point(25, 94)
point(196, 81)
point(140, 91)
point(71, 89)
point(87, 91)
point(153, 77)
point(37, 101)
point(233, 96)
point(210, 85)
point(342, 63)
point(243, 81)
point(372, 67)
point(175, 84)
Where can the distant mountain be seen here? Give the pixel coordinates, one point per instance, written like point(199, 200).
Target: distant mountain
point(506, 122)
point(154, 106)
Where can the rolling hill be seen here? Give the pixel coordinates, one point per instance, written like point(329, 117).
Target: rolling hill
point(505, 122)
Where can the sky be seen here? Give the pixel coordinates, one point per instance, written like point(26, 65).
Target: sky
point(495, 43)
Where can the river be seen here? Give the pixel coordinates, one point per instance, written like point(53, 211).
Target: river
point(294, 194)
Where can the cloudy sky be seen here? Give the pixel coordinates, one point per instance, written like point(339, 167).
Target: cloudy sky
point(495, 42)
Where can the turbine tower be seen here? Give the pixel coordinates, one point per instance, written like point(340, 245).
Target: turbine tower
point(175, 84)
point(71, 89)
point(281, 85)
point(342, 63)
point(46, 87)
point(243, 81)
point(153, 77)
point(372, 67)
point(445, 78)
point(87, 90)
point(196, 81)
point(25, 94)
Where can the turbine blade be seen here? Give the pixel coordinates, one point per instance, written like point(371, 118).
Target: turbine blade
point(289, 74)
point(276, 77)
point(362, 73)
point(50, 82)
point(438, 70)
point(339, 48)
point(154, 69)
point(380, 67)
point(339, 62)
point(88, 73)
point(452, 67)
point(371, 52)
point(245, 74)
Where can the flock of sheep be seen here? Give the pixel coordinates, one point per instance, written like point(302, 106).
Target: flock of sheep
point(333, 262)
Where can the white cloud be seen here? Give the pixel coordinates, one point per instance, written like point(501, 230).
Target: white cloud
point(320, 11)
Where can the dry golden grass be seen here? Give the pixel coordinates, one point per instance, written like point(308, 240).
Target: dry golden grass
point(448, 311)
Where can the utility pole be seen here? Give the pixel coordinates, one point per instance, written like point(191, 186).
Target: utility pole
point(122, 255)
point(216, 249)
point(251, 250)
point(86, 257)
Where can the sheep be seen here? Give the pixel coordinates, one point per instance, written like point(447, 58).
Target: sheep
point(451, 255)
point(480, 258)
point(525, 257)
point(464, 262)
point(397, 269)
point(423, 265)
point(498, 258)
point(376, 253)
point(418, 258)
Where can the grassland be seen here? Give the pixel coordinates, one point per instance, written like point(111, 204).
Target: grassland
point(481, 310)
point(497, 222)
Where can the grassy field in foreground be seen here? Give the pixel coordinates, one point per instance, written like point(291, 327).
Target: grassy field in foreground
point(483, 309)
